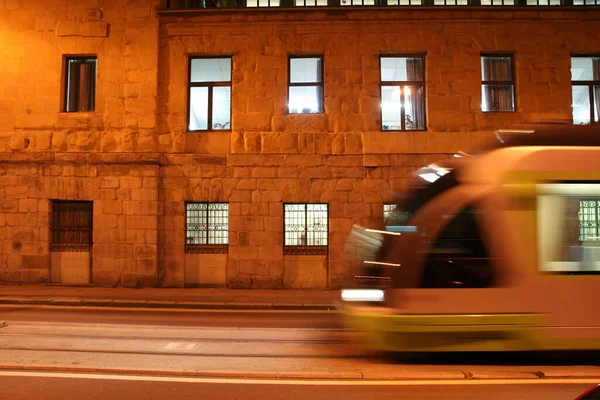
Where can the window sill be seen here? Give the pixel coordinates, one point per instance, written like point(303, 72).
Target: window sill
point(206, 248)
point(305, 250)
point(70, 247)
point(208, 130)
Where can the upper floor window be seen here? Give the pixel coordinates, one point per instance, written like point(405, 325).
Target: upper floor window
point(263, 3)
point(306, 228)
point(497, 83)
point(206, 227)
point(80, 83)
point(402, 93)
point(71, 225)
point(451, 2)
point(313, 3)
point(210, 94)
point(306, 85)
point(585, 80)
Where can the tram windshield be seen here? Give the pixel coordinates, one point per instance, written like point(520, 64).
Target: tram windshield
point(426, 186)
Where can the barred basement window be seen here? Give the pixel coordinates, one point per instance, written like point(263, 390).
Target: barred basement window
point(589, 220)
point(306, 229)
point(388, 209)
point(80, 84)
point(71, 226)
point(206, 227)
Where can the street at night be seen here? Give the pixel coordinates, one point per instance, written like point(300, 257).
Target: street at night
point(65, 352)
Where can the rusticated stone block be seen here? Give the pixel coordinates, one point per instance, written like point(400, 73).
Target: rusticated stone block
point(240, 282)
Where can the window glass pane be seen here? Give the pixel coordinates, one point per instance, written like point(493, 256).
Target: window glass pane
point(265, 3)
point(597, 103)
point(305, 70)
point(196, 223)
point(581, 105)
point(295, 224)
point(585, 68)
point(80, 84)
point(207, 223)
point(211, 70)
point(414, 107)
point(305, 99)
point(301, 3)
point(497, 98)
point(388, 209)
point(390, 108)
point(497, 69)
point(394, 69)
point(221, 108)
point(317, 228)
point(218, 224)
point(568, 216)
point(198, 108)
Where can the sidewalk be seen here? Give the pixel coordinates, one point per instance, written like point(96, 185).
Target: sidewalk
point(189, 298)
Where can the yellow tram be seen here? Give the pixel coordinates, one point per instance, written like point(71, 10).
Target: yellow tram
point(496, 250)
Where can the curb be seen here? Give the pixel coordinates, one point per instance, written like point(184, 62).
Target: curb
point(168, 305)
point(267, 375)
point(288, 375)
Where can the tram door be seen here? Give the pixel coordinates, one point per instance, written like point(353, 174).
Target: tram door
point(461, 273)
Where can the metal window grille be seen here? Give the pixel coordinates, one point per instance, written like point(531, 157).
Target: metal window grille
point(207, 227)
point(306, 229)
point(80, 84)
point(388, 209)
point(589, 221)
point(71, 226)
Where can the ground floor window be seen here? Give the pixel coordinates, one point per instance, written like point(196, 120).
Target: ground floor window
point(71, 225)
point(306, 228)
point(206, 227)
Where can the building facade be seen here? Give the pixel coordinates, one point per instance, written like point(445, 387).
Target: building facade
point(194, 143)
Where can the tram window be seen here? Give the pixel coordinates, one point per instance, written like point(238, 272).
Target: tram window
point(569, 228)
point(459, 258)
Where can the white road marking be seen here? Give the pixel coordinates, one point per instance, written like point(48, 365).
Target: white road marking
point(172, 309)
point(180, 346)
point(533, 381)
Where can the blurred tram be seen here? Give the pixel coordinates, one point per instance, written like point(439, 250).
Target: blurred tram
point(494, 250)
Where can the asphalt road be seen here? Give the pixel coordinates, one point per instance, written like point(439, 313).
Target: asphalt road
point(151, 344)
point(92, 387)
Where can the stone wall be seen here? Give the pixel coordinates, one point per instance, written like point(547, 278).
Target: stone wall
point(134, 159)
point(35, 36)
point(124, 189)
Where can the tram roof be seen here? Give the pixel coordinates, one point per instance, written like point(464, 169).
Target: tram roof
point(546, 135)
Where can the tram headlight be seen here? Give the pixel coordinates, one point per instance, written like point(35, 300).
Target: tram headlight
point(364, 295)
